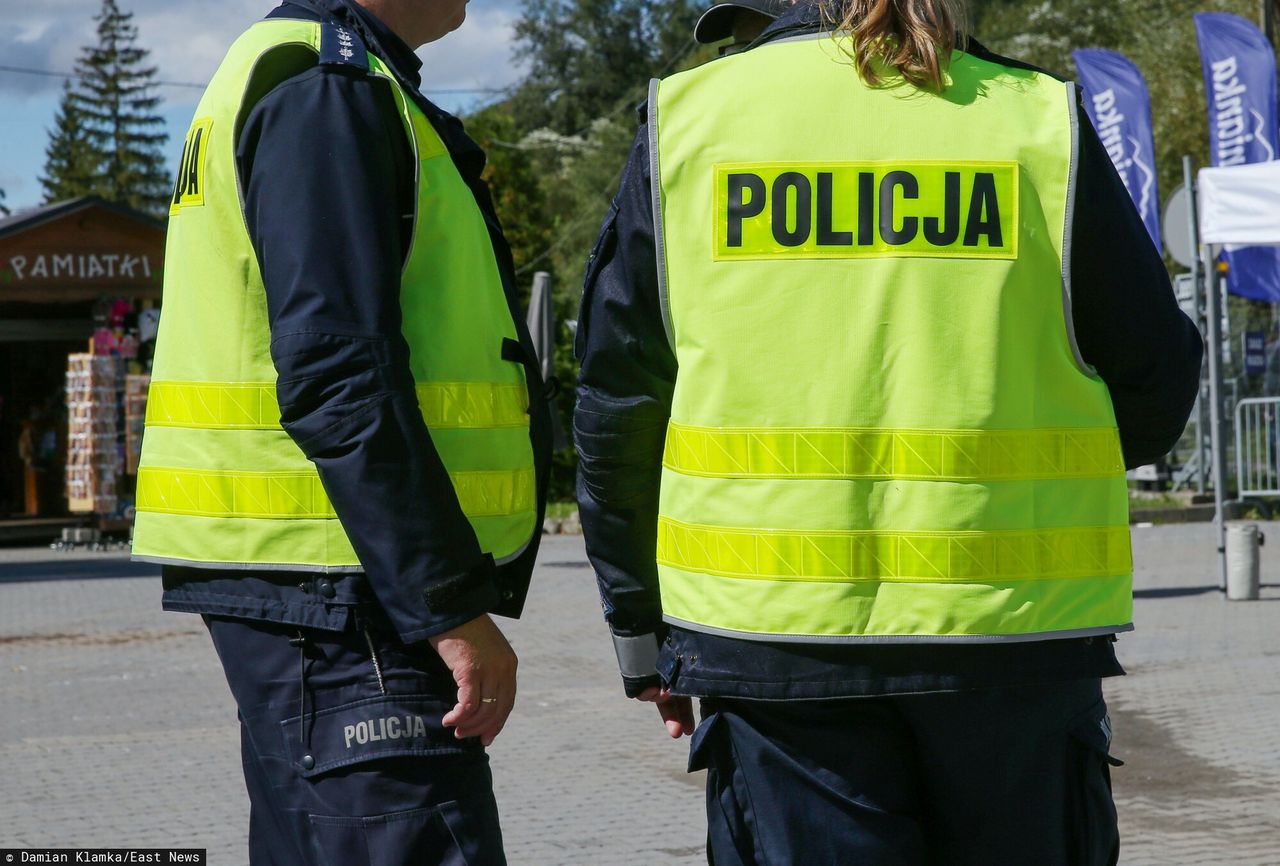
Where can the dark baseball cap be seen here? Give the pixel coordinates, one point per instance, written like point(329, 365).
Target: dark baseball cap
point(717, 22)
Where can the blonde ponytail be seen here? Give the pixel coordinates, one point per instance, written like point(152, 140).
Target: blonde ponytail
point(915, 37)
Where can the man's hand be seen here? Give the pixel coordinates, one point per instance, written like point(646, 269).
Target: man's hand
point(484, 667)
point(676, 712)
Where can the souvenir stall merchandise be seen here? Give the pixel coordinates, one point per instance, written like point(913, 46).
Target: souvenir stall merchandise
point(95, 457)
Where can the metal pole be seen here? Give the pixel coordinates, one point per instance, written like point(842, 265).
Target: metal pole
point(1200, 450)
point(1269, 12)
point(1197, 288)
point(1215, 411)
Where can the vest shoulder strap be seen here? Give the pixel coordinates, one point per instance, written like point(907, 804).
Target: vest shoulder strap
point(341, 45)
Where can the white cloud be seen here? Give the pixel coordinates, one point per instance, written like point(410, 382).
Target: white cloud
point(187, 39)
point(478, 54)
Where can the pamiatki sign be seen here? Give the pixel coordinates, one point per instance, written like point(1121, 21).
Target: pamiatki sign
point(80, 250)
point(83, 266)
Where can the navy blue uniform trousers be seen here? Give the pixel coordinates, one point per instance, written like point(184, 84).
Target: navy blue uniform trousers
point(1015, 776)
point(345, 759)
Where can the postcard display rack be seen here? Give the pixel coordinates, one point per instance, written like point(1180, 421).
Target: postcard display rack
point(105, 407)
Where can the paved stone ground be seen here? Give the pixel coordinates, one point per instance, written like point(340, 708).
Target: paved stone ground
point(1198, 717)
point(116, 727)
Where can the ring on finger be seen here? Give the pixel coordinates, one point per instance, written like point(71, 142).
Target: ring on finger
point(488, 700)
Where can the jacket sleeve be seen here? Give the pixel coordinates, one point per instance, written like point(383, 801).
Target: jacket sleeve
point(624, 400)
point(328, 183)
point(1127, 322)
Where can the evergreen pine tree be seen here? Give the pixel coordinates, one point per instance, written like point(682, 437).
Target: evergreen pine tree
point(109, 138)
point(71, 166)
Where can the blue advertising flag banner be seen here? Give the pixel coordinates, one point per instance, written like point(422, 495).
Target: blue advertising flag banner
point(1240, 82)
point(1116, 98)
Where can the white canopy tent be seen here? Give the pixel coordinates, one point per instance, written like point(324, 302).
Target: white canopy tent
point(1240, 204)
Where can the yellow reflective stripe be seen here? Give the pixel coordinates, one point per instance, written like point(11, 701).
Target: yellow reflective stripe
point(253, 405)
point(213, 405)
point(301, 495)
point(471, 404)
point(928, 557)
point(908, 454)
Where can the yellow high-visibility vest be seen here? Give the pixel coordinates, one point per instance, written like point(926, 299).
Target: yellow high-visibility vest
point(882, 429)
point(220, 482)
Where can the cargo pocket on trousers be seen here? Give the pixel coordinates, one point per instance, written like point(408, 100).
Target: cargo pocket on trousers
point(730, 832)
point(1092, 834)
point(424, 837)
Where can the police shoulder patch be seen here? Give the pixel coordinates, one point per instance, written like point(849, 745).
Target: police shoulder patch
point(340, 45)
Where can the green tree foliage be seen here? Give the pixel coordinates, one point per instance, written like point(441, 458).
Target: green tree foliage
point(108, 137)
point(585, 56)
point(1157, 35)
point(557, 145)
point(519, 195)
point(590, 62)
point(71, 162)
point(1045, 33)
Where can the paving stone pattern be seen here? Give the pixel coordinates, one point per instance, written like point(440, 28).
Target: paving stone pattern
point(117, 728)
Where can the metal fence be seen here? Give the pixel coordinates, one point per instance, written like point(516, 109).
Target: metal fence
point(1257, 457)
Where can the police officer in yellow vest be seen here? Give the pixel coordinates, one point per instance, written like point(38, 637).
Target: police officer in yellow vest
point(345, 455)
point(868, 339)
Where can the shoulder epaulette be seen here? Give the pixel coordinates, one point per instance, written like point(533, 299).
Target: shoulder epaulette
point(341, 45)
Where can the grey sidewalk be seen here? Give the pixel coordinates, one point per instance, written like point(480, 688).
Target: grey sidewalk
point(116, 727)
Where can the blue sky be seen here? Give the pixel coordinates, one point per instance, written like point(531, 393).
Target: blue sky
point(187, 39)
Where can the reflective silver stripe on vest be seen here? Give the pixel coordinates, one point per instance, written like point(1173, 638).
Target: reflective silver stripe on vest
point(246, 566)
point(638, 655)
point(1095, 631)
point(1067, 316)
point(281, 566)
point(660, 246)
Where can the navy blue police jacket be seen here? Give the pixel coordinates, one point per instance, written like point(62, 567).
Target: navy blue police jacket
point(329, 197)
point(1127, 324)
